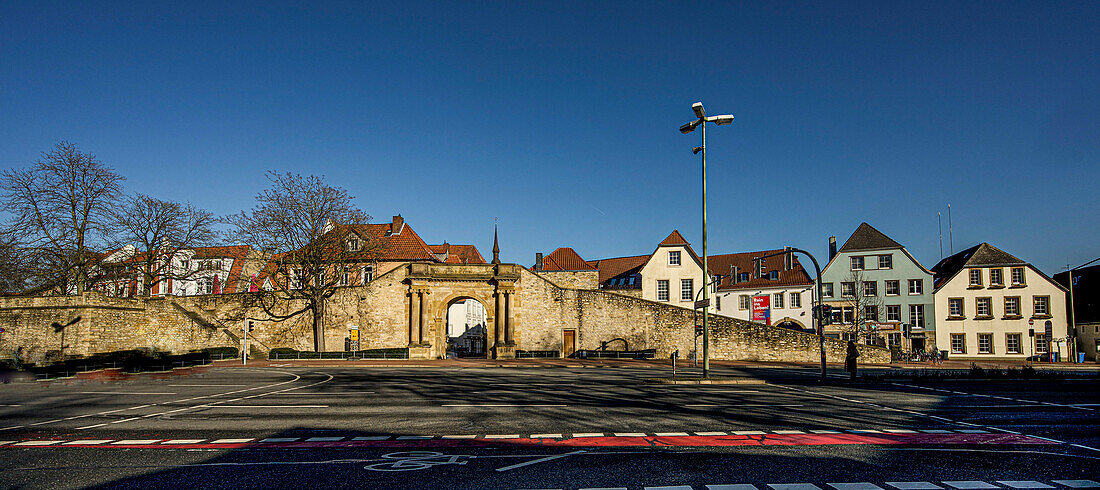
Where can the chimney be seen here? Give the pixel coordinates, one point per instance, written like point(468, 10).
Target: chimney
point(788, 259)
point(538, 261)
point(832, 247)
point(397, 225)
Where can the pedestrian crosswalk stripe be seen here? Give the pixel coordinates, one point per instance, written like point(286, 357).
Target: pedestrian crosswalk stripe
point(324, 439)
point(88, 441)
point(854, 486)
point(35, 443)
point(900, 431)
point(280, 439)
point(825, 431)
point(789, 432)
point(914, 485)
point(1023, 484)
point(228, 441)
point(794, 486)
point(969, 485)
point(372, 438)
point(588, 434)
point(416, 438)
point(710, 433)
point(670, 434)
point(635, 434)
point(462, 436)
point(546, 436)
point(736, 486)
point(864, 431)
point(183, 441)
point(747, 432)
point(1078, 483)
point(499, 436)
point(136, 441)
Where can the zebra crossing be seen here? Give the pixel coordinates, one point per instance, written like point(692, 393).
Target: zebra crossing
point(889, 485)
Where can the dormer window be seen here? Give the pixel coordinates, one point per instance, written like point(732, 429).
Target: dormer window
point(742, 276)
point(674, 257)
point(353, 244)
point(773, 275)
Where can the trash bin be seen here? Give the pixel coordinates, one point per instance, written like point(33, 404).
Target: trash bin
point(1080, 358)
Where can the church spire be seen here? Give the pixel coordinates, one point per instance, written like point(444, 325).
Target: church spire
point(496, 247)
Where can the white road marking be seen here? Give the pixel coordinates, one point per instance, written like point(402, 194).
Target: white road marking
point(914, 485)
point(670, 487)
point(793, 486)
point(87, 441)
point(540, 460)
point(91, 426)
point(125, 420)
point(588, 434)
point(1023, 484)
point(137, 441)
point(461, 436)
point(46, 422)
point(973, 431)
point(788, 432)
point(865, 431)
point(6, 442)
point(818, 431)
point(122, 393)
point(9, 405)
point(322, 439)
point(281, 439)
point(35, 443)
point(748, 432)
point(499, 436)
point(258, 406)
point(546, 436)
point(670, 434)
point(710, 433)
point(1078, 483)
point(855, 486)
point(935, 431)
point(496, 405)
point(415, 438)
point(204, 385)
point(230, 441)
point(900, 431)
point(969, 485)
point(371, 438)
point(738, 486)
point(183, 441)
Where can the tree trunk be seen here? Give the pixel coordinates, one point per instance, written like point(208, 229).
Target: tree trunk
point(318, 325)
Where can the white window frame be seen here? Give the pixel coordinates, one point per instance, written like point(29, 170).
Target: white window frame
point(852, 263)
point(662, 290)
point(897, 287)
point(851, 293)
point(985, 338)
point(1012, 343)
point(674, 257)
point(888, 263)
point(1037, 301)
point(1000, 281)
point(988, 306)
point(367, 274)
point(916, 316)
point(827, 289)
point(893, 313)
point(958, 343)
point(744, 302)
point(919, 289)
point(1023, 277)
point(687, 289)
point(975, 277)
point(1012, 306)
point(777, 300)
point(955, 307)
point(796, 299)
point(870, 288)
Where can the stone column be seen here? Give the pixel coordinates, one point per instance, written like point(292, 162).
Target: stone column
point(423, 317)
point(414, 317)
point(498, 319)
point(509, 324)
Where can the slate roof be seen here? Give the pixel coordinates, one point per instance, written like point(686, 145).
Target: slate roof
point(866, 237)
point(721, 265)
point(566, 259)
point(980, 255)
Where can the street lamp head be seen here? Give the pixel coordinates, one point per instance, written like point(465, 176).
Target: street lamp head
point(689, 127)
point(698, 108)
point(721, 120)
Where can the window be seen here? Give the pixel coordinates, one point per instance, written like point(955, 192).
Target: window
point(1012, 343)
point(1018, 276)
point(206, 285)
point(1012, 306)
point(985, 343)
point(916, 286)
point(718, 303)
point(996, 277)
point(958, 343)
point(345, 275)
point(1042, 305)
point(674, 257)
point(870, 313)
point(894, 339)
point(955, 308)
point(353, 244)
point(185, 264)
point(368, 273)
point(885, 261)
point(687, 289)
point(975, 277)
point(849, 314)
point(857, 263)
point(320, 279)
point(1041, 346)
point(662, 290)
point(893, 288)
point(893, 313)
point(742, 276)
point(870, 288)
point(848, 289)
point(916, 316)
point(296, 279)
point(773, 275)
point(744, 302)
point(796, 300)
point(777, 300)
point(827, 289)
point(984, 307)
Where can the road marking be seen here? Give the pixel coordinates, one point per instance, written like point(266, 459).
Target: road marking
point(6, 442)
point(969, 485)
point(540, 460)
point(788, 432)
point(142, 442)
point(258, 406)
point(854, 486)
point(322, 439)
point(589, 434)
point(738, 486)
point(670, 434)
point(864, 431)
point(935, 431)
point(818, 431)
point(914, 485)
point(1078, 483)
point(122, 393)
point(499, 436)
point(91, 426)
point(46, 422)
point(9, 405)
point(546, 436)
point(496, 405)
point(282, 439)
point(35, 443)
point(793, 486)
point(712, 433)
point(670, 487)
point(1023, 484)
point(88, 441)
point(230, 441)
point(183, 441)
point(747, 432)
point(973, 431)
point(204, 385)
point(415, 438)
point(461, 436)
point(900, 431)
point(371, 438)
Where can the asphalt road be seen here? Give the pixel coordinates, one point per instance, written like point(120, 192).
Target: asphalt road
point(546, 428)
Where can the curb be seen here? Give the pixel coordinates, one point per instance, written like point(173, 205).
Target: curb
point(711, 381)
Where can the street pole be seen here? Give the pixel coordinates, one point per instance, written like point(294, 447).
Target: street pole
point(1071, 345)
point(706, 271)
point(814, 304)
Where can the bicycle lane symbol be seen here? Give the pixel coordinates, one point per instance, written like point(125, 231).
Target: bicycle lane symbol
point(416, 460)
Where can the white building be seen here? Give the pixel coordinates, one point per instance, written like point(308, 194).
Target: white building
point(778, 282)
point(989, 302)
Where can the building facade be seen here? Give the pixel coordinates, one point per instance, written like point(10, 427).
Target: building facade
point(878, 292)
point(990, 304)
point(776, 288)
point(1085, 314)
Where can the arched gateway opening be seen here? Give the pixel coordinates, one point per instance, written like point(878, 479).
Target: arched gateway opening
point(467, 329)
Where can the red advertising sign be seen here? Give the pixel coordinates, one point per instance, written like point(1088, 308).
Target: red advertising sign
point(761, 309)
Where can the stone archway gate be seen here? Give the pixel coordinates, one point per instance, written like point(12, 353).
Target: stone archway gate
point(432, 288)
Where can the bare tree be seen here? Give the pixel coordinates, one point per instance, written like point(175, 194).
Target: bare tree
point(164, 231)
point(861, 305)
point(302, 223)
point(59, 210)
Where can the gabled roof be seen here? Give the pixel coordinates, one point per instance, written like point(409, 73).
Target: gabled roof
point(396, 245)
point(566, 259)
point(674, 238)
point(457, 254)
point(980, 255)
point(618, 266)
point(866, 237)
point(722, 264)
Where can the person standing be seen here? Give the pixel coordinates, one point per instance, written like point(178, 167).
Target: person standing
point(850, 359)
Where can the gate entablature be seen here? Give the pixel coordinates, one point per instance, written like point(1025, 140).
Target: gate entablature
point(433, 287)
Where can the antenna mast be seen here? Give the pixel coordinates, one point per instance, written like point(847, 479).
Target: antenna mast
point(950, 234)
point(939, 226)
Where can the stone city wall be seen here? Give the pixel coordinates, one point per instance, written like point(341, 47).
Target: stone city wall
point(542, 311)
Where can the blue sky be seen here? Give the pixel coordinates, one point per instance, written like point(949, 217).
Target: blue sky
point(561, 119)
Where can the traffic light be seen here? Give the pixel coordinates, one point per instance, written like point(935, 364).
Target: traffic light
point(251, 326)
point(824, 315)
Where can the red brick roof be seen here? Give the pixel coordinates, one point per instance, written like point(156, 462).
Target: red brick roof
point(398, 245)
point(566, 259)
point(458, 254)
point(721, 265)
point(617, 266)
point(675, 238)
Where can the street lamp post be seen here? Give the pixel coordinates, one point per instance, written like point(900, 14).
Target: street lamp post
point(701, 121)
point(1072, 333)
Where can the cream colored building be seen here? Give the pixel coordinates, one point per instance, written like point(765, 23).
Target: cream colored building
point(987, 302)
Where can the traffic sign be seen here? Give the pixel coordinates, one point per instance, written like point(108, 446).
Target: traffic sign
point(703, 303)
point(1, 329)
point(1031, 321)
